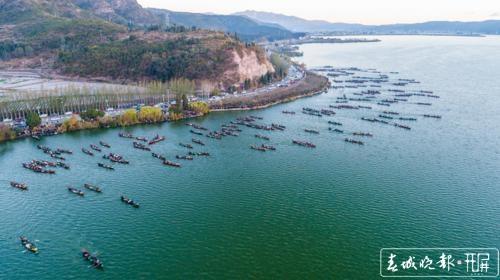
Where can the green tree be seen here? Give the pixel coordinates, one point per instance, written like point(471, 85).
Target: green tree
point(33, 119)
point(185, 102)
point(92, 114)
point(180, 88)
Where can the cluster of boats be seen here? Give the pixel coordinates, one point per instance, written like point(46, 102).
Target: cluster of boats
point(56, 154)
point(39, 167)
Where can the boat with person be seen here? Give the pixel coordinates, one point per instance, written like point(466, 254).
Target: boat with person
point(158, 156)
point(94, 261)
point(141, 146)
point(195, 132)
point(129, 201)
point(268, 147)
point(87, 152)
point(104, 144)
point(188, 146)
point(312, 131)
point(141, 138)
point(28, 245)
point(19, 186)
point(199, 154)
point(76, 191)
point(171, 163)
point(304, 143)
point(260, 136)
point(126, 135)
point(62, 165)
point(362, 134)
point(336, 130)
point(92, 188)
point(115, 158)
point(157, 139)
point(402, 126)
point(95, 148)
point(184, 157)
point(257, 148)
point(432, 116)
point(352, 141)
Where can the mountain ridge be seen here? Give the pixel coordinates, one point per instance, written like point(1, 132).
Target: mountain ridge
point(297, 24)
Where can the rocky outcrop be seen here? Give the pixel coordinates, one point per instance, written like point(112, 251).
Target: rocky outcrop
point(248, 65)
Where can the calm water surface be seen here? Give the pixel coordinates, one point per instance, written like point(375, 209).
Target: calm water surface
point(293, 213)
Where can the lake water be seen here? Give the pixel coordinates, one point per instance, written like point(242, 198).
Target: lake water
point(296, 213)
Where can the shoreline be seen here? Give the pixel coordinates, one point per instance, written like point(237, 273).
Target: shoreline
point(312, 84)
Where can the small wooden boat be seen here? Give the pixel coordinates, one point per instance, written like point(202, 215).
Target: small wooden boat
point(19, 186)
point(92, 188)
point(76, 191)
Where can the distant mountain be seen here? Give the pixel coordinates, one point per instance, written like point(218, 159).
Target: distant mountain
point(246, 28)
point(433, 27)
point(297, 24)
point(440, 27)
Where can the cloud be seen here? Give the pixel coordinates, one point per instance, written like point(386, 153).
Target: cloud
point(495, 15)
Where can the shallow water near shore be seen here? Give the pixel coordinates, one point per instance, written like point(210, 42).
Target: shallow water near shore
point(294, 213)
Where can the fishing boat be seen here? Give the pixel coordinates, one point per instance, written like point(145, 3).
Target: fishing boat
point(260, 136)
point(28, 245)
point(76, 191)
point(334, 123)
point(195, 132)
point(115, 158)
point(352, 141)
point(188, 146)
point(158, 156)
point(94, 261)
point(268, 147)
point(311, 131)
point(93, 188)
point(105, 166)
point(140, 146)
point(336, 130)
point(200, 154)
point(62, 165)
point(257, 148)
point(104, 144)
point(433, 116)
point(363, 134)
point(402, 126)
point(95, 148)
point(304, 144)
point(20, 186)
point(407, 119)
point(87, 152)
point(157, 139)
point(184, 157)
point(170, 163)
point(129, 201)
point(197, 141)
point(125, 135)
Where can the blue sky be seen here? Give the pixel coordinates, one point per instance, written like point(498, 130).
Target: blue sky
point(353, 11)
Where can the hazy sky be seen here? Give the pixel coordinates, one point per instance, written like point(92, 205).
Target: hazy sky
point(353, 11)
